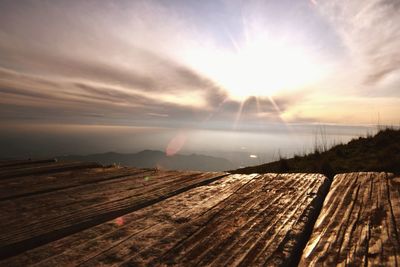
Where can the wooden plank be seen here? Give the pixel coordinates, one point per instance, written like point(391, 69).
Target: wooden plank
point(39, 219)
point(48, 182)
point(237, 220)
point(96, 240)
point(359, 223)
point(42, 206)
point(5, 164)
point(46, 168)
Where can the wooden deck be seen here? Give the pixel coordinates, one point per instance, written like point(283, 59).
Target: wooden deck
point(359, 224)
point(57, 214)
point(70, 214)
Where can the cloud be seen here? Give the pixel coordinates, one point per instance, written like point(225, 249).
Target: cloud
point(147, 62)
point(108, 67)
point(129, 45)
point(370, 30)
point(78, 101)
point(26, 97)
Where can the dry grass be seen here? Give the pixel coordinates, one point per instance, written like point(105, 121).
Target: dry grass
point(373, 153)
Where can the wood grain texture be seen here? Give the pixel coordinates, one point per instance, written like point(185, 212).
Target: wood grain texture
point(4, 164)
point(359, 223)
point(83, 201)
point(29, 185)
point(47, 167)
point(97, 240)
point(238, 220)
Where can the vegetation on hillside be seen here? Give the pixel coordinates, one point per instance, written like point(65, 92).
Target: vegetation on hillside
point(378, 153)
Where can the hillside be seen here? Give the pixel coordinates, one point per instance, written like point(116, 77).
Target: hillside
point(377, 153)
point(156, 159)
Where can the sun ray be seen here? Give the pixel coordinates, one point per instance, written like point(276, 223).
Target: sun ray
point(278, 110)
point(238, 115)
point(234, 43)
point(276, 107)
point(258, 105)
point(216, 110)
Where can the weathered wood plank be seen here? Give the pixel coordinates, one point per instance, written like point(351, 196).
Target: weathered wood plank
point(39, 219)
point(45, 168)
point(6, 164)
point(22, 162)
point(83, 246)
point(261, 225)
point(42, 183)
point(42, 206)
point(237, 220)
point(359, 223)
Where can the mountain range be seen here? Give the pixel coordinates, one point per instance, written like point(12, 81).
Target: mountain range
point(157, 159)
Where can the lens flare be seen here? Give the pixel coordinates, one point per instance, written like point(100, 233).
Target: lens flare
point(176, 144)
point(119, 221)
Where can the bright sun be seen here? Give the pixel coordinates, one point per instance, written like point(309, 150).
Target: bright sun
point(262, 67)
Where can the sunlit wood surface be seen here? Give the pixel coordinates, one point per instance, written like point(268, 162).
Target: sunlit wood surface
point(359, 224)
point(86, 214)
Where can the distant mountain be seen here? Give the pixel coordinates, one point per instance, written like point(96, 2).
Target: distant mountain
point(157, 159)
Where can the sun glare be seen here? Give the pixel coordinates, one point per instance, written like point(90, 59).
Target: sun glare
point(261, 67)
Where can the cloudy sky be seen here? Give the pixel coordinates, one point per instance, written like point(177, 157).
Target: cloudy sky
point(199, 64)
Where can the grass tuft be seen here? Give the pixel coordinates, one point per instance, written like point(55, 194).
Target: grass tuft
point(372, 153)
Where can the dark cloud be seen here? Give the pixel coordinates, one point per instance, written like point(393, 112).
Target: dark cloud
point(79, 102)
point(381, 73)
point(168, 75)
point(74, 99)
point(22, 92)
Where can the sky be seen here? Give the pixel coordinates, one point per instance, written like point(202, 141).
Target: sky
point(197, 65)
